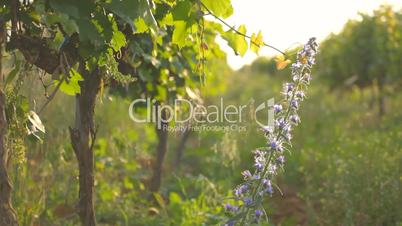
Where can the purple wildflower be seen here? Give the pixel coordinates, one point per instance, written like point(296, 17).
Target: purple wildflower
point(231, 208)
point(277, 108)
point(259, 153)
point(311, 61)
point(296, 66)
point(259, 165)
point(267, 130)
point(300, 94)
point(228, 207)
point(278, 136)
point(269, 190)
point(287, 128)
point(238, 192)
point(272, 169)
point(258, 214)
point(230, 223)
point(280, 123)
point(288, 137)
point(294, 104)
point(289, 87)
point(241, 190)
point(266, 182)
point(246, 174)
point(273, 144)
point(281, 159)
point(294, 118)
point(248, 201)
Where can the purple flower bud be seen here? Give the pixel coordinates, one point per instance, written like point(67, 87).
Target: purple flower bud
point(281, 159)
point(228, 207)
point(288, 136)
point(267, 129)
point(272, 169)
point(300, 94)
point(269, 190)
point(230, 223)
point(266, 182)
point(231, 208)
point(244, 188)
point(274, 144)
point(259, 166)
point(296, 66)
point(294, 118)
point(238, 192)
point(241, 190)
point(259, 153)
point(288, 87)
point(277, 108)
point(246, 174)
point(306, 78)
point(248, 201)
point(287, 128)
point(280, 123)
point(311, 59)
point(294, 104)
point(258, 214)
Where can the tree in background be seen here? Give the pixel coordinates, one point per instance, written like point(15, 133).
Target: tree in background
point(8, 215)
point(367, 52)
point(160, 47)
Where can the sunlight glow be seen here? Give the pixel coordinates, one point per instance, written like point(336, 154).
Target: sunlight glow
point(287, 23)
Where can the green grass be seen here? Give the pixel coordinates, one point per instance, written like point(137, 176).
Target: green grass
point(344, 169)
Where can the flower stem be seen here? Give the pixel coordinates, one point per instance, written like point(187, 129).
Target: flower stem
point(255, 190)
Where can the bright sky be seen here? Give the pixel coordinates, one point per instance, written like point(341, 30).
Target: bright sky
point(285, 23)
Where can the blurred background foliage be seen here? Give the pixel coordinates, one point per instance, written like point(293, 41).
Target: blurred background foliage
point(345, 167)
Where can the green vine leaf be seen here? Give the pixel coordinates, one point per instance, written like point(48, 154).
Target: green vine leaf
point(69, 25)
point(13, 73)
point(118, 40)
point(141, 26)
point(88, 32)
point(221, 8)
point(256, 42)
point(180, 33)
point(237, 42)
point(182, 11)
point(71, 87)
point(130, 10)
